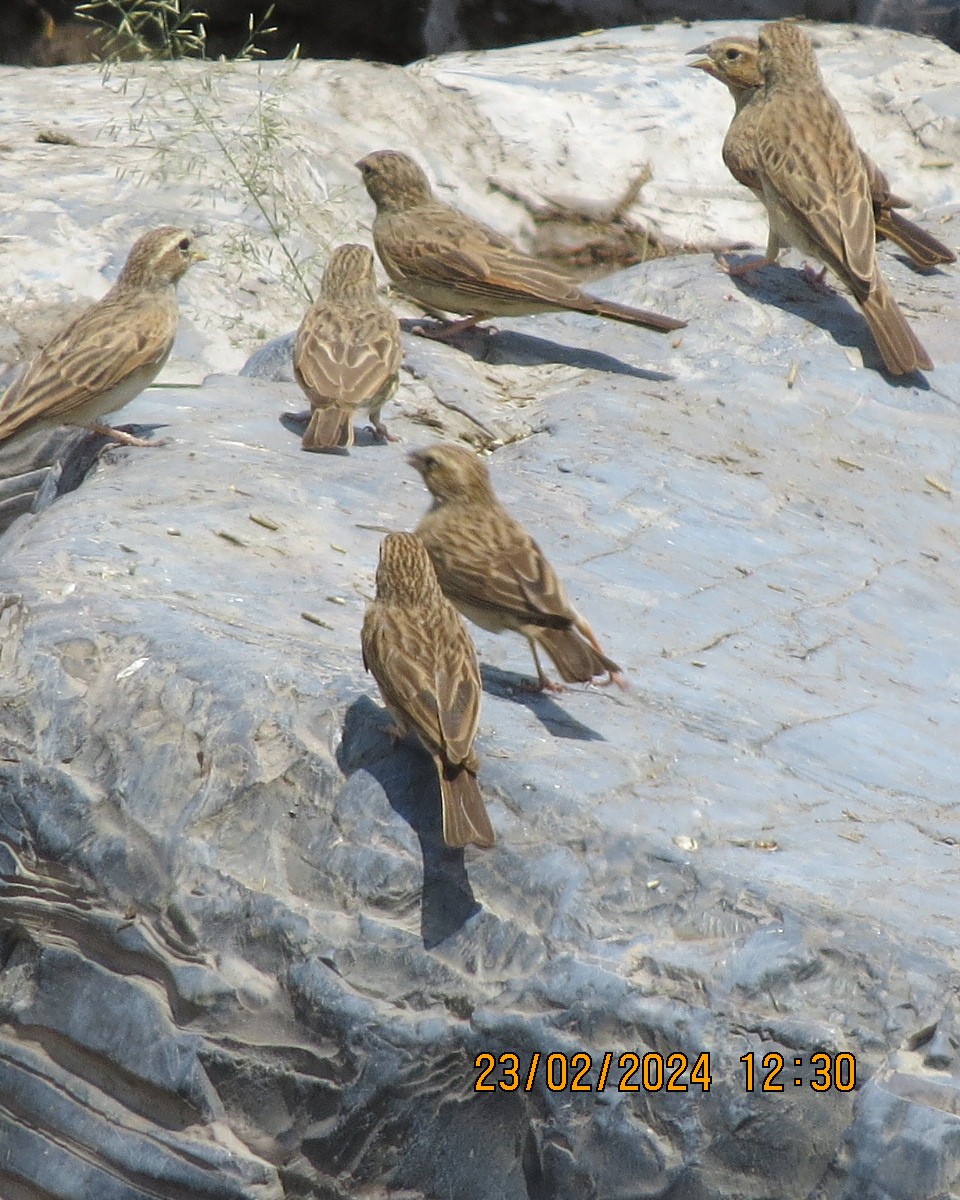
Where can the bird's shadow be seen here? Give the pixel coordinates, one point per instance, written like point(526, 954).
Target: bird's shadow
point(788, 289)
point(918, 268)
point(508, 685)
point(506, 347)
point(363, 435)
point(408, 777)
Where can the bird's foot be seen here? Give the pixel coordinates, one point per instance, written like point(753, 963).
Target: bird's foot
point(543, 684)
point(381, 434)
point(743, 269)
point(444, 332)
point(124, 438)
point(817, 279)
point(618, 678)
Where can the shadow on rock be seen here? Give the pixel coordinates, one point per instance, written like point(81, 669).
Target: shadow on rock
point(363, 435)
point(506, 347)
point(409, 781)
point(508, 685)
point(39, 467)
point(833, 311)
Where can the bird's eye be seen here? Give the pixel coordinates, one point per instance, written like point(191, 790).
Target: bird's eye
point(183, 244)
point(733, 55)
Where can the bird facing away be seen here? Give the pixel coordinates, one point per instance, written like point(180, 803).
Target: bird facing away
point(423, 660)
point(347, 353)
point(816, 189)
point(449, 262)
point(112, 351)
point(734, 61)
point(495, 573)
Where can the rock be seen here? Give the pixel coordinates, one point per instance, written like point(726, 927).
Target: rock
point(235, 958)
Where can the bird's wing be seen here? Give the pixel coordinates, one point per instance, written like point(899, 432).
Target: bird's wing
point(498, 566)
point(812, 162)
point(437, 694)
point(443, 247)
point(90, 357)
point(346, 355)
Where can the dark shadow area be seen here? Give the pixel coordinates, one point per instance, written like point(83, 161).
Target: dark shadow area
point(908, 261)
point(408, 777)
point(363, 435)
point(506, 347)
point(39, 467)
point(833, 311)
point(508, 685)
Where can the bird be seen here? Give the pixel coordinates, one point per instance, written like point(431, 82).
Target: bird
point(734, 61)
point(817, 191)
point(112, 351)
point(449, 262)
point(419, 652)
point(493, 571)
point(347, 353)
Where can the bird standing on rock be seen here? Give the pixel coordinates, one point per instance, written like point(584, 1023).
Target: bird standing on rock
point(734, 61)
point(425, 665)
point(816, 188)
point(112, 351)
point(495, 573)
point(449, 262)
point(347, 353)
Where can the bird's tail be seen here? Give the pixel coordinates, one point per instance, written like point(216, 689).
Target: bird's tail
point(922, 247)
point(631, 316)
point(574, 657)
point(465, 818)
point(899, 346)
point(330, 428)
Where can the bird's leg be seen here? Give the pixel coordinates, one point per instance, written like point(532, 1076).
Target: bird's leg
point(544, 683)
point(450, 329)
point(126, 439)
point(737, 270)
point(816, 279)
point(580, 624)
point(380, 431)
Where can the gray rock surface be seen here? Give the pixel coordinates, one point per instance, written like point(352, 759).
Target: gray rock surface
point(236, 959)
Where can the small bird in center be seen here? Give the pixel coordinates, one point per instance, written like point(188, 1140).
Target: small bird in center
point(449, 262)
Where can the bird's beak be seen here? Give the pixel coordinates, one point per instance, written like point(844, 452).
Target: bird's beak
point(198, 256)
point(703, 64)
point(413, 458)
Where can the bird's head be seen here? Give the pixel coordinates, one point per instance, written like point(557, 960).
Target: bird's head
point(394, 181)
point(160, 257)
point(732, 60)
point(452, 473)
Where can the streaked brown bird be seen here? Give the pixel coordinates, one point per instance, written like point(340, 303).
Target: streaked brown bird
point(734, 61)
point(495, 573)
point(817, 191)
point(449, 262)
point(112, 351)
point(347, 353)
point(425, 665)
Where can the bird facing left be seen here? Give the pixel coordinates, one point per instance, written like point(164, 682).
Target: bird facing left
point(112, 351)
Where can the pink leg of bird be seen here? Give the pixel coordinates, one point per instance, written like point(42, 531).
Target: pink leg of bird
point(450, 330)
point(126, 439)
